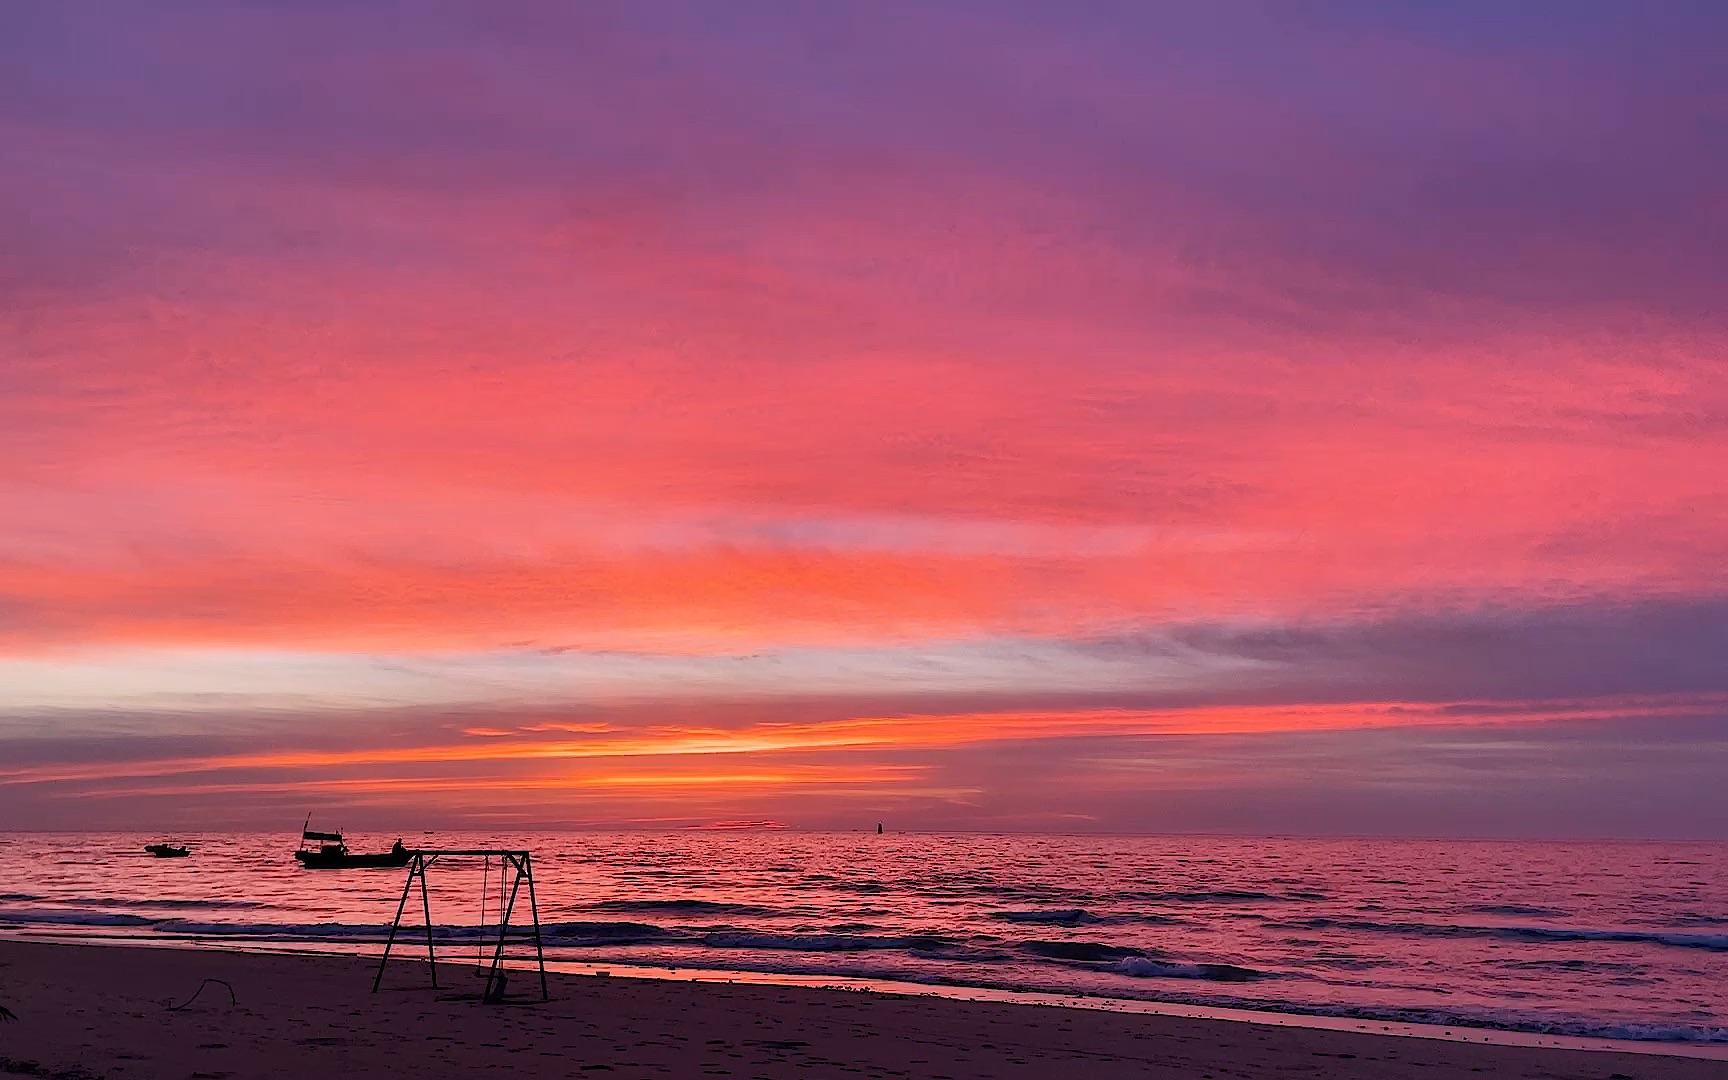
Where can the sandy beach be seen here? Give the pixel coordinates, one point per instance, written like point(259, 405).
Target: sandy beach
point(103, 1011)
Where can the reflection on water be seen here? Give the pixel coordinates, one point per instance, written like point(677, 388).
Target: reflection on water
point(1615, 940)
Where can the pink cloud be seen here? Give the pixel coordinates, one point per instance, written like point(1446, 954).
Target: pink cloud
point(413, 339)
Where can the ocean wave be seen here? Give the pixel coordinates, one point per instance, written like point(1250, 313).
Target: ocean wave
point(164, 902)
point(569, 935)
point(1604, 967)
point(180, 927)
point(580, 934)
point(1710, 942)
point(1208, 896)
point(1086, 951)
point(572, 934)
point(1062, 917)
point(1638, 1032)
point(826, 942)
point(1149, 918)
point(1144, 967)
point(1516, 909)
point(1138, 963)
point(72, 918)
point(687, 906)
point(322, 931)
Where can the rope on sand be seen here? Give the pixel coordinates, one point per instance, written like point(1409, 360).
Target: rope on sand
point(231, 998)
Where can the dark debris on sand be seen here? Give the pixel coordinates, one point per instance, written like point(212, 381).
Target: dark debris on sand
point(15, 1067)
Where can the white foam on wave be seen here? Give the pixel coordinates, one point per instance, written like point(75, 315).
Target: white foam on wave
point(1145, 967)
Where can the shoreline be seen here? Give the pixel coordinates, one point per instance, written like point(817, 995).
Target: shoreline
point(113, 1012)
point(1461, 1034)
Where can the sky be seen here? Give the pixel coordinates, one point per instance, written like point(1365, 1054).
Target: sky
point(1239, 417)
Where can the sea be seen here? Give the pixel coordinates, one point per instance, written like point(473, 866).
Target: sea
point(1625, 941)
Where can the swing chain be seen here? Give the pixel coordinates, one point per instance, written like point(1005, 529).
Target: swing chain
point(480, 928)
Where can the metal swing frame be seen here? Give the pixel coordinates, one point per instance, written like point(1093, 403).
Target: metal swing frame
point(522, 862)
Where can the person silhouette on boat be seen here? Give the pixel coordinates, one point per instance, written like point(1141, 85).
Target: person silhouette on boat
point(397, 848)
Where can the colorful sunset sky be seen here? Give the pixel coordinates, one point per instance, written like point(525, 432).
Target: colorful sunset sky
point(1224, 417)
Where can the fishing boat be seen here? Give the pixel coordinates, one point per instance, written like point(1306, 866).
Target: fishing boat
point(168, 851)
point(331, 852)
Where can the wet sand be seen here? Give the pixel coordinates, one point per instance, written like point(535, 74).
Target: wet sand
point(103, 1011)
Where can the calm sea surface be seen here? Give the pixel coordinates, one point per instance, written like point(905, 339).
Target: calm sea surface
point(1617, 940)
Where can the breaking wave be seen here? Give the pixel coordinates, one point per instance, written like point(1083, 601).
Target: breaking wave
point(1144, 967)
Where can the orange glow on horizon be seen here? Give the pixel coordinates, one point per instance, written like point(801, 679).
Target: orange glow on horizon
point(524, 746)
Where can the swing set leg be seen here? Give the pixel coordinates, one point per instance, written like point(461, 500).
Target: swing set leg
point(495, 974)
point(394, 926)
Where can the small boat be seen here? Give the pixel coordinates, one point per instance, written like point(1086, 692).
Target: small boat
point(168, 851)
point(331, 852)
point(338, 857)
